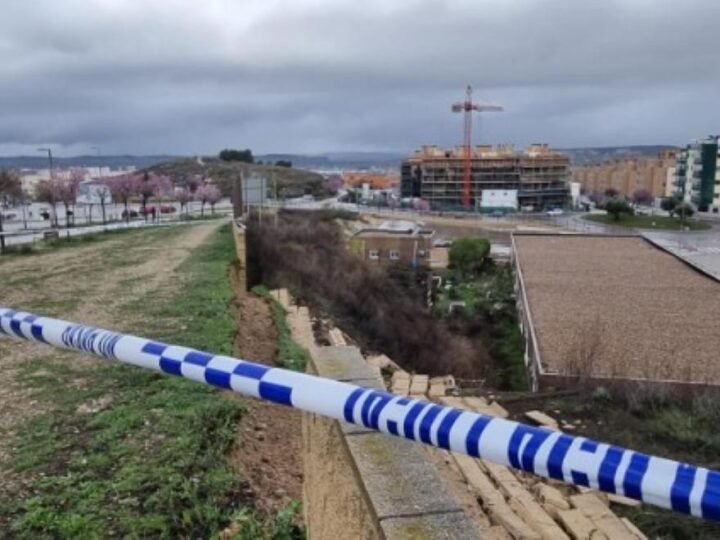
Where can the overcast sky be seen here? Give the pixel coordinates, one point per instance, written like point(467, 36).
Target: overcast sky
point(195, 76)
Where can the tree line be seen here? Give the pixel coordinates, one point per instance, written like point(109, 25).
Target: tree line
point(63, 188)
point(616, 204)
point(246, 156)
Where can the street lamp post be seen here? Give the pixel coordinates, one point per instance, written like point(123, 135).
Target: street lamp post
point(50, 173)
point(23, 202)
point(49, 153)
point(97, 154)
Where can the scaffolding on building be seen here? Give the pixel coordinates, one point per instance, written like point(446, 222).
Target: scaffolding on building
point(539, 174)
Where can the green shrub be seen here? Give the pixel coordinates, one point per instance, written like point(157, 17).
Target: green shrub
point(468, 255)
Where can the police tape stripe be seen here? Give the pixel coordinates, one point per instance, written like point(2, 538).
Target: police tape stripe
point(575, 460)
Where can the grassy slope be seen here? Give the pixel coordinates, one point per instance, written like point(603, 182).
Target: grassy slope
point(24, 250)
point(646, 222)
point(150, 461)
point(291, 355)
point(291, 182)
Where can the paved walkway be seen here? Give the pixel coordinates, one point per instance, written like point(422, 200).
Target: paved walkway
point(701, 250)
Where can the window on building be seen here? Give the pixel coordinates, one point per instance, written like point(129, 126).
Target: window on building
point(373, 254)
point(394, 255)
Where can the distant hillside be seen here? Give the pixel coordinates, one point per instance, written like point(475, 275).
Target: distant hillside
point(327, 160)
point(587, 156)
point(41, 162)
point(291, 182)
point(339, 160)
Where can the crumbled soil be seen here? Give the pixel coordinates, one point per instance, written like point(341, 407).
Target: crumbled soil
point(268, 450)
point(321, 329)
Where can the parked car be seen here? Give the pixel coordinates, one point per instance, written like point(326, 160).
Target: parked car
point(133, 214)
point(555, 212)
point(441, 242)
point(168, 209)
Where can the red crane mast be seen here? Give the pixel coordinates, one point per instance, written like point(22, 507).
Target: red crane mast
point(468, 107)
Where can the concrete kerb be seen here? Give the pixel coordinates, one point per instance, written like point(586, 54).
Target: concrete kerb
point(400, 484)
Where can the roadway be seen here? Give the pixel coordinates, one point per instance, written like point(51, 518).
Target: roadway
point(19, 231)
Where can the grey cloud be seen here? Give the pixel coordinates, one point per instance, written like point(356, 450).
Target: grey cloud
point(279, 75)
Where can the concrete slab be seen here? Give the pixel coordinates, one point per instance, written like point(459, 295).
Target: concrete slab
point(447, 526)
point(701, 250)
point(398, 477)
point(343, 363)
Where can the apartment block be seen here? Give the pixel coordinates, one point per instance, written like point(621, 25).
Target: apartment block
point(629, 175)
point(539, 174)
point(697, 174)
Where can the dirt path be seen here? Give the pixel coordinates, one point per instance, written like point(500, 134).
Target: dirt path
point(90, 284)
point(268, 452)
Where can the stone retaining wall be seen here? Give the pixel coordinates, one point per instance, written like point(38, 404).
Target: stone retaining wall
point(360, 483)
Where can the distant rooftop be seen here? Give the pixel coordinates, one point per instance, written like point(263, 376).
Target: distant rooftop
point(395, 228)
point(620, 306)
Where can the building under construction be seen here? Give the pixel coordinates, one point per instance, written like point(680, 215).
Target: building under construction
point(539, 176)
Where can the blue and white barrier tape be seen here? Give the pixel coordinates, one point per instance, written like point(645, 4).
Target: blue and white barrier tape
point(575, 460)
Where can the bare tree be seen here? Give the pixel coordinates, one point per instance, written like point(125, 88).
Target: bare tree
point(103, 193)
point(10, 189)
point(585, 350)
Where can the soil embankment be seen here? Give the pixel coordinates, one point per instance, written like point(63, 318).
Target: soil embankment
point(268, 450)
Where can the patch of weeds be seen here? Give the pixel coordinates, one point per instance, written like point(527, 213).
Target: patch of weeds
point(284, 526)
point(509, 349)
point(290, 354)
point(132, 453)
point(54, 307)
point(135, 237)
point(490, 314)
point(23, 249)
point(677, 429)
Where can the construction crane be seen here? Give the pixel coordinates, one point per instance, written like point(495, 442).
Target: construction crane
point(468, 107)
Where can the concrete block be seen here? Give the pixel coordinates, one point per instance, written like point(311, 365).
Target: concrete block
point(419, 385)
point(542, 419)
point(398, 477)
point(336, 338)
point(342, 364)
point(382, 361)
point(400, 383)
point(446, 526)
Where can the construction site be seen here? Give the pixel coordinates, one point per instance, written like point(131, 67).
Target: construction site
point(486, 178)
point(538, 176)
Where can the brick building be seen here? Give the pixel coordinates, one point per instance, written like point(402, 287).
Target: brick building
point(628, 175)
point(400, 242)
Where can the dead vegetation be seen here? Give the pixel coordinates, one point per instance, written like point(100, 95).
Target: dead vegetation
point(307, 254)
